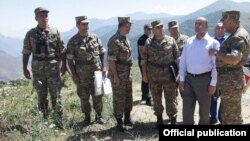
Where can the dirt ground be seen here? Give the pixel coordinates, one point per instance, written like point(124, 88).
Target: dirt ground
point(147, 114)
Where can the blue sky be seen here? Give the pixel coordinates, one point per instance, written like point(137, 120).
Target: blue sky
point(17, 16)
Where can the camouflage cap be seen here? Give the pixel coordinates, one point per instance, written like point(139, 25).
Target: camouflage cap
point(156, 23)
point(231, 15)
point(40, 9)
point(173, 24)
point(82, 19)
point(147, 26)
point(122, 20)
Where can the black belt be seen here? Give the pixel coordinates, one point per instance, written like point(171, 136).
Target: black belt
point(198, 75)
point(45, 58)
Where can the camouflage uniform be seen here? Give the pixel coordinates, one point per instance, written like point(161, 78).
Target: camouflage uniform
point(85, 51)
point(120, 50)
point(180, 41)
point(46, 47)
point(158, 57)
point(230, 77)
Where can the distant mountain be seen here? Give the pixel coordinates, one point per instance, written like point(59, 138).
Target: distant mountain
point(10, 45)
point(219, 5)
point(10, 67)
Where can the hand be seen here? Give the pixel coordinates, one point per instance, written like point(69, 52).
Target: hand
point(63, 69)
point(212, 51)
point(76, 79)
point(211, 90)
point(117, 81)
point(181, 86)
point(104, 72)
point(26, 73)
point(145, 78)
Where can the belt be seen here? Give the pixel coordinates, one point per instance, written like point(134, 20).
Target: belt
point(45, 58)
point(124, 63)
point(83, 62)
point(198, 75)
point(228, 69)
point(159, 65)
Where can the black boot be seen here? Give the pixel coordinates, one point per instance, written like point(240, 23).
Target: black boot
point(119, 125)
point(86, 120)
point(149, 101)
point(173, 120)
point(127, 120)
point(158, 122)
point(99, 119)
point(43, 107)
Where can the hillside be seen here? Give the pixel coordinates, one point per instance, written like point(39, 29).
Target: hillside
point(20, 119)
point(10, 67)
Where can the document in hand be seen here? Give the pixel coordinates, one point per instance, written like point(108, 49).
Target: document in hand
point(107, 88)
point(98, 83)
point(174, 72)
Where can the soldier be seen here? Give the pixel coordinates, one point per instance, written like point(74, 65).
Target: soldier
point(140, 44)
point(230, 59)
point(120, 62)
point(159, 53)
point(85, 55)
point(173, 28)
point(48, 52)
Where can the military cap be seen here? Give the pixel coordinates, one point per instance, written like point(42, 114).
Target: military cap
point(122, 20)
point(40, 9)
point(146, 26)
point(173, 24)
point(156, 23)
point(231, 15)
point(83, 19)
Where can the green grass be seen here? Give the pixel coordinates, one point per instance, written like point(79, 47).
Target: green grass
point(20, 119)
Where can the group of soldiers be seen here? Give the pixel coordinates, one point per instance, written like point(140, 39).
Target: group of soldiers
point(85, 55)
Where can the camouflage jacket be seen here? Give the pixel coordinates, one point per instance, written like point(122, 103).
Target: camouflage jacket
point(85, 51)
point(119, 50)
point(181, 41)
point(238, 44)
point(42, 44)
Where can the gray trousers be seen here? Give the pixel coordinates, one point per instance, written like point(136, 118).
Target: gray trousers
point(196, 88)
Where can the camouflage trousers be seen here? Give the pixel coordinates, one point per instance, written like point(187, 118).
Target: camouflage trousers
point(122, 94)
point(231, 86)
point(48, 81)
point(231, 107)
point(87, 88)
point(170, 95)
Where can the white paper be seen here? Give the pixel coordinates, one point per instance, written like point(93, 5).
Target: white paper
point(98, 83)
point(107, 88)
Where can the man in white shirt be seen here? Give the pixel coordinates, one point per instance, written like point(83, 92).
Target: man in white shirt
point(198, 75)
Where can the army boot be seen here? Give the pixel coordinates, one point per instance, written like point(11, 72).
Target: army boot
point(149, 101)
point(43, 107)
point(158, 122)
point(119, 125)
point(127, 120)
point(173, 120)
point(86, 120)
point(99, 119)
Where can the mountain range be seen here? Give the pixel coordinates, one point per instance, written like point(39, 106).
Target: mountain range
point(10, 48)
